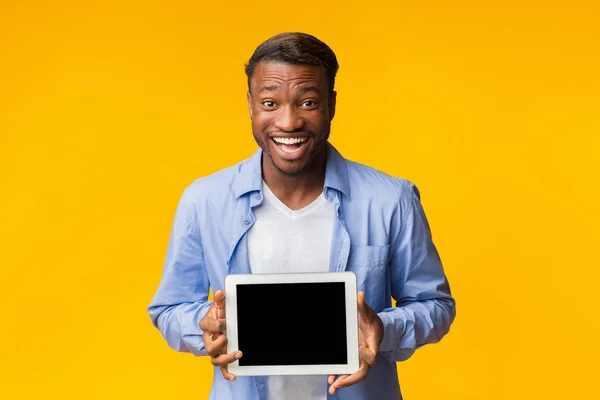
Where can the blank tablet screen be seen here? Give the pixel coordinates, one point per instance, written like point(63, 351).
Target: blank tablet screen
point(292, 323)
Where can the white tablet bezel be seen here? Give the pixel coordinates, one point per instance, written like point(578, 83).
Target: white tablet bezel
point(349, 280)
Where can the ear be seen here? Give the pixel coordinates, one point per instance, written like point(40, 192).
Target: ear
point(249, 98)
point(332, 100)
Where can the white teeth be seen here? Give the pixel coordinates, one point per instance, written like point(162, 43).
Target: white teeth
point(281, 140)
point(289, 151)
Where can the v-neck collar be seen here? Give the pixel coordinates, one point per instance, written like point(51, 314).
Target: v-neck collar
point(293, 214)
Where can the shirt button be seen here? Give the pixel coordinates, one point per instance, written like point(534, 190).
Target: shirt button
point(257, 196)
point(247, 221)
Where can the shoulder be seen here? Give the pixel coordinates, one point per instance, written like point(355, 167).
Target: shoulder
point(216, 186)
point(368, 182)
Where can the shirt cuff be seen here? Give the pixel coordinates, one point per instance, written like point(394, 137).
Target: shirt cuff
point(194, 342)
point(393, 328)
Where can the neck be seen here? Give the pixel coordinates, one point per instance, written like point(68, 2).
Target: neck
point(296, 191)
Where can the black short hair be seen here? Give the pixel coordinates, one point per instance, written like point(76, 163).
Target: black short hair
point(295, 48)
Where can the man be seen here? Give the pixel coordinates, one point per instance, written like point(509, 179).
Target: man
point(298, 206)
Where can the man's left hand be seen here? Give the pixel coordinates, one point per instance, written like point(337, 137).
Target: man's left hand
point(370, 335)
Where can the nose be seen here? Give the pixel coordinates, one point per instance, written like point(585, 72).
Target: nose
point(288, 119)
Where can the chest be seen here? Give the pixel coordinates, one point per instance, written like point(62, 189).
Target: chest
point(282, 240)
point(238, 239)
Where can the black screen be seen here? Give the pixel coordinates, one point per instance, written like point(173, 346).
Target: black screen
point(292, 323)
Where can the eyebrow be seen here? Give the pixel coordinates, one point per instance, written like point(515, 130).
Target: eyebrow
point(305, 89)
point(302, 90)
point(272, 88)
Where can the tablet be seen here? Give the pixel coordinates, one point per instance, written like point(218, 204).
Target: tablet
point(292, 324)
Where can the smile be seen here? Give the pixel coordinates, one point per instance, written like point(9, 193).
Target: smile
point(290, 145)
point(280, 140)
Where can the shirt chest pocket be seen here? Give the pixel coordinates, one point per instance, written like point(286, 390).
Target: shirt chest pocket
point(369, 264)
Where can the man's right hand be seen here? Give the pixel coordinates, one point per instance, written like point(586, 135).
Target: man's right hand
point(214, 338)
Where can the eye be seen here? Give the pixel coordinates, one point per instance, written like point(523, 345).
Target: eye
point(268, 103)
point(309, 103)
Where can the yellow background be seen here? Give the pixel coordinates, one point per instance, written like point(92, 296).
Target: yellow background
point(108, 109)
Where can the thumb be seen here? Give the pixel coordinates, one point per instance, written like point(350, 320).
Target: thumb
point(219, 302)
point(363, 308)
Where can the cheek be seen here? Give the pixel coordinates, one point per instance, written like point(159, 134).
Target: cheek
point(260, 124)
point(324, 126)
point(321, 121)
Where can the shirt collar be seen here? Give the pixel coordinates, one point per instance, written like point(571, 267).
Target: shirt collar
point(336, 171)
point(249, 176)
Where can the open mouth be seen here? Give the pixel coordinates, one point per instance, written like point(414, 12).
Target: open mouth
point(290, 145)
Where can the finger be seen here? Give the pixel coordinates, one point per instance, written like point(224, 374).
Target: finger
point(215, 347)
point(226, 359)
point(226, 374)
point(353, 379)
point(212, 325)
point(223, 361)
point(333, 387)
point(330, 379)
point(372, 346)
point(219, 303)
point(367, 354)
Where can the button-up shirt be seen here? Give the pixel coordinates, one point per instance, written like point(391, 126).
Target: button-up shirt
point(380, 233)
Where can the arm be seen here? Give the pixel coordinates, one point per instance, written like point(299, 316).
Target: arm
point(182, 296)
point(424, 308)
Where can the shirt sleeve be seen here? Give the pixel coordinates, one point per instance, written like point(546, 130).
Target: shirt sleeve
point(182, 296)
point(424, 308)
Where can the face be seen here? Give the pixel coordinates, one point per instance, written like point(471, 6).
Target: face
point(291, 110)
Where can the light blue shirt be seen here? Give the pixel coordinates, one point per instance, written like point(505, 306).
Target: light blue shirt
point(380, 233)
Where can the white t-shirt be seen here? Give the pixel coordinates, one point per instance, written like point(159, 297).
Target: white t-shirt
point(281, 241)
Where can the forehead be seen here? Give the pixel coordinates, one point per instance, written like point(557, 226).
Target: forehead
point(287, 74)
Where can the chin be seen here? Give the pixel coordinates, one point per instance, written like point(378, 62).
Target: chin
point(291, 171)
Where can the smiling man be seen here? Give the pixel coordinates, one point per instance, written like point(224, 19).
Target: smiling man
point(298, 206)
